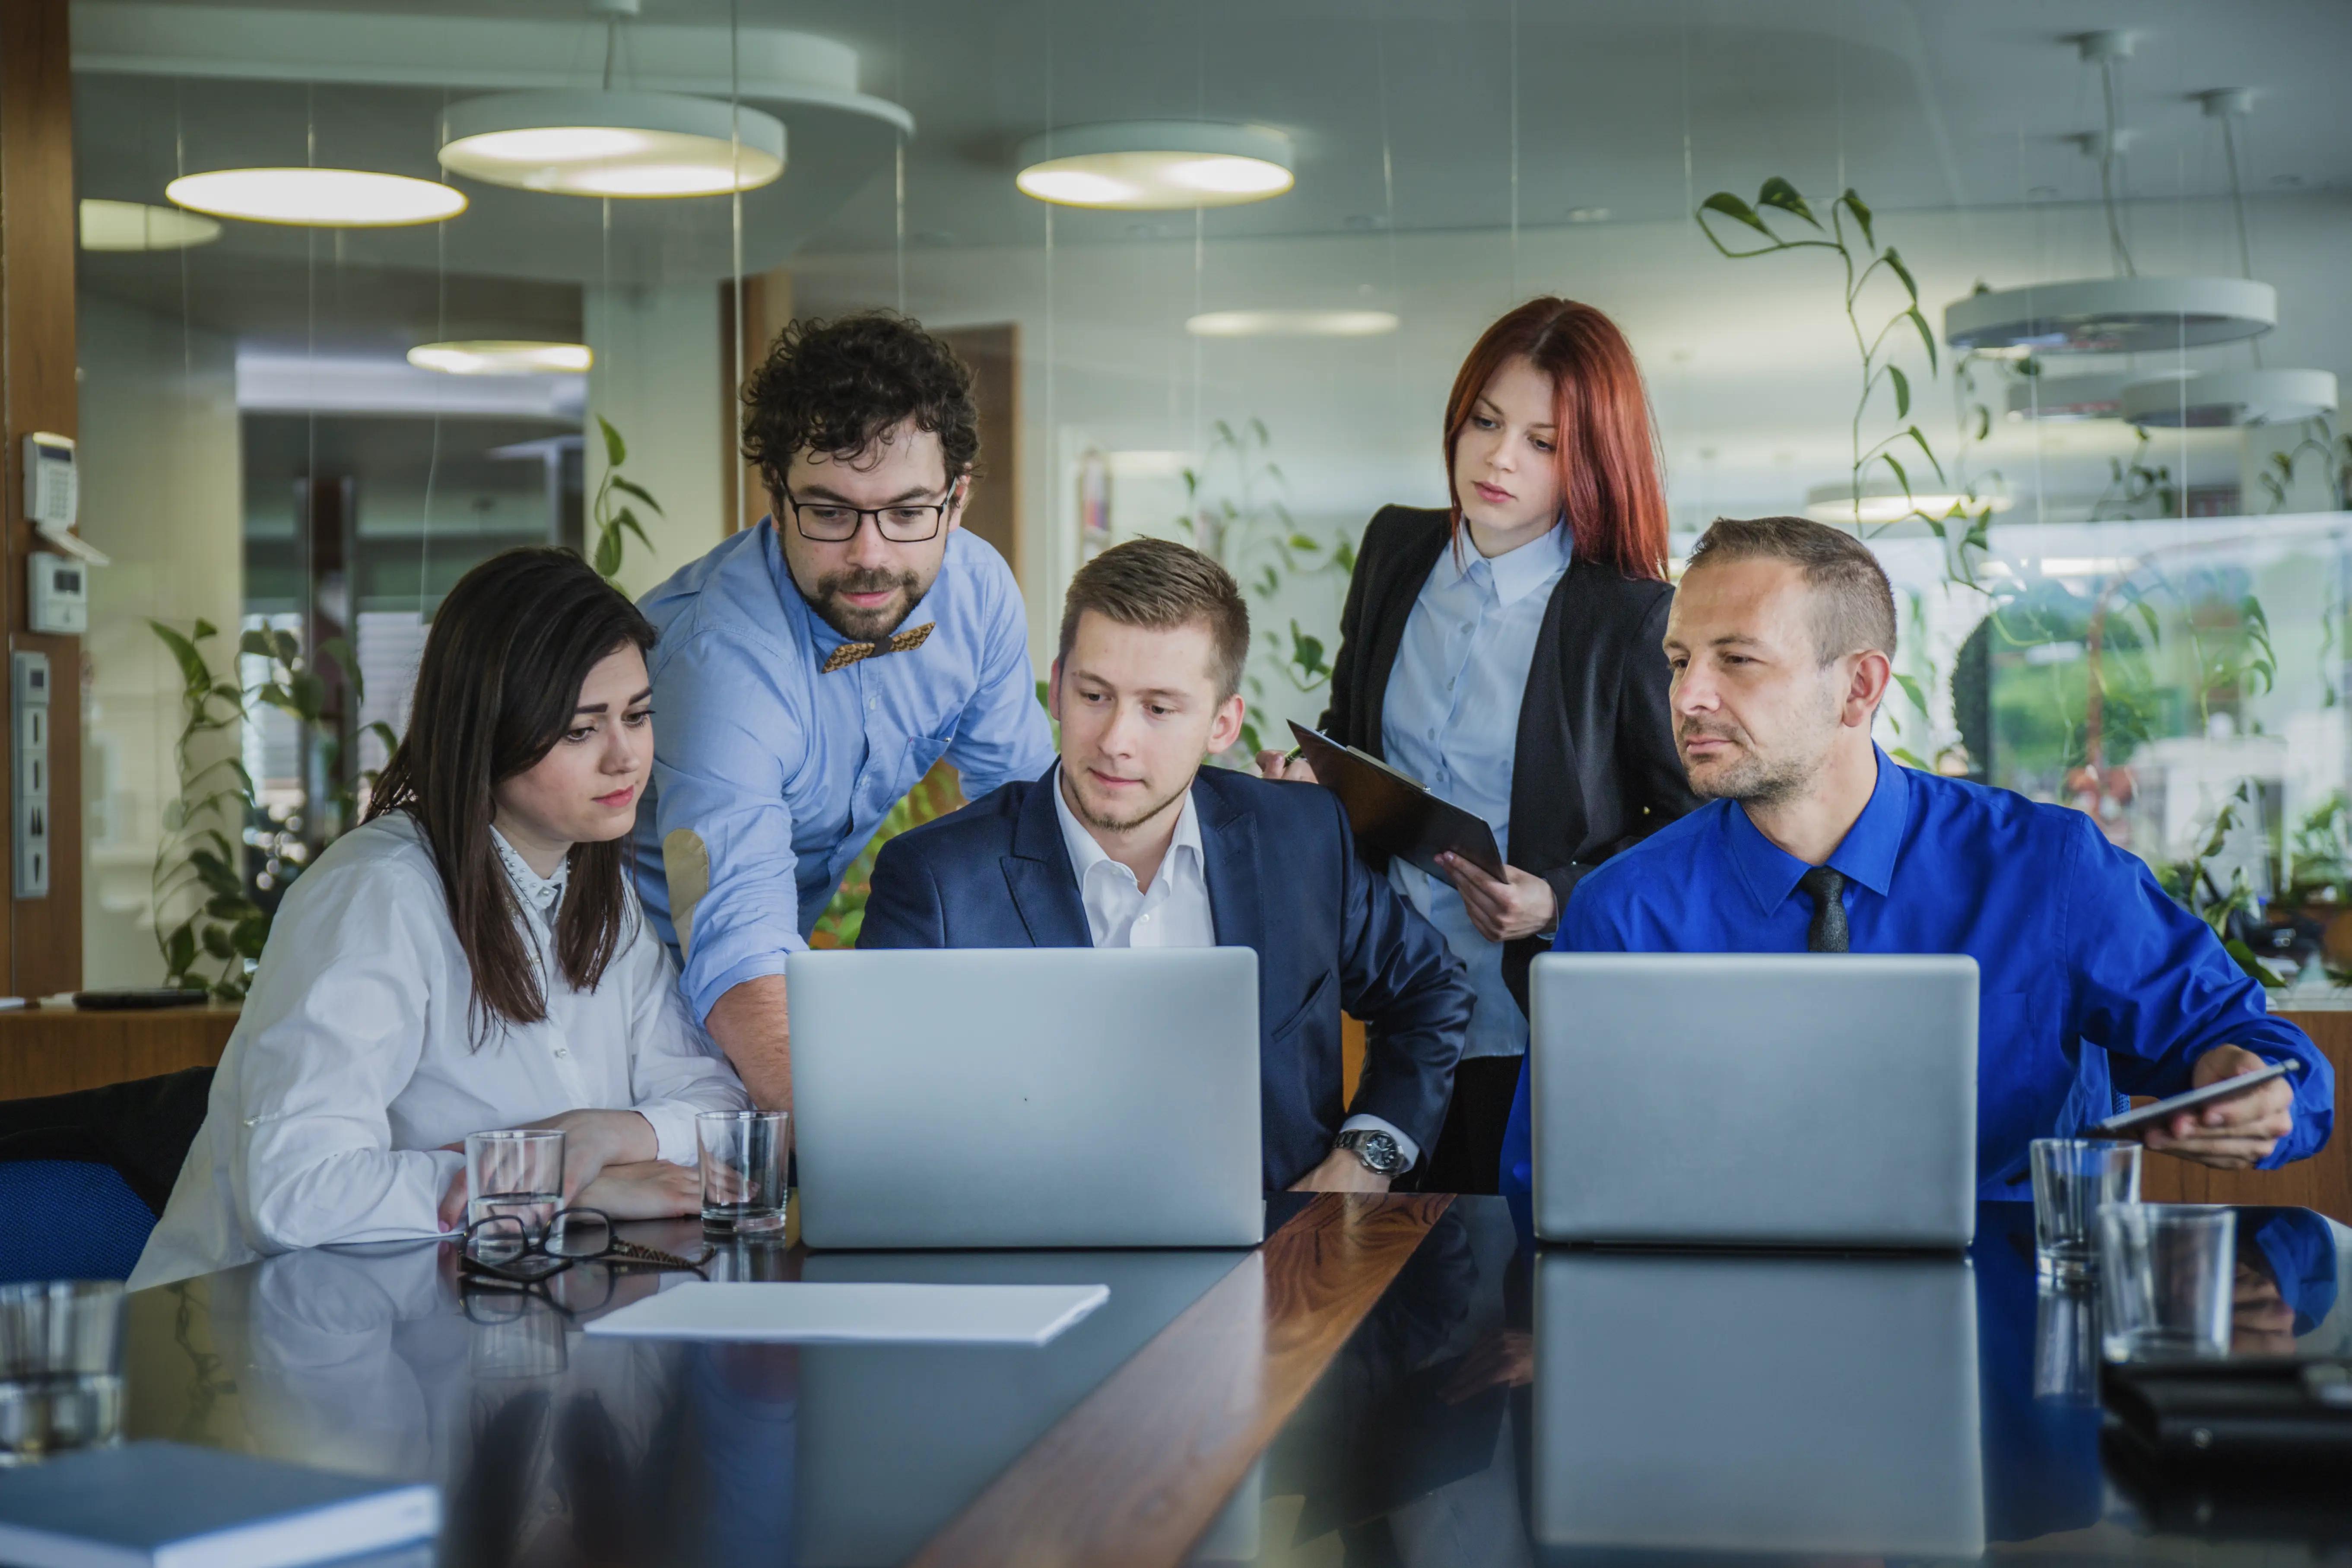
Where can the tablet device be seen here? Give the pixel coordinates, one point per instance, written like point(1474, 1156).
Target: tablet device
point(2131, 1124)
point(1392, 814)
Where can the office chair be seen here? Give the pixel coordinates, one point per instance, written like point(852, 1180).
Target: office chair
point(68, 1219)
point(83, 1176)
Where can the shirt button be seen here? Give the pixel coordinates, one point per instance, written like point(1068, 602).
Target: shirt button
point(563, 1050)
point(872, 703)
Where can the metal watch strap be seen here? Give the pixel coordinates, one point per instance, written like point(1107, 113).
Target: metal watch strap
point(1355, 1141)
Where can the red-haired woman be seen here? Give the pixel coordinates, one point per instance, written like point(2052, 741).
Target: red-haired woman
point(1504, 651)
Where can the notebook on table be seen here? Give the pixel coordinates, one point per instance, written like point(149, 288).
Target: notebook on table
point(171, 1505)
point(1392, 813)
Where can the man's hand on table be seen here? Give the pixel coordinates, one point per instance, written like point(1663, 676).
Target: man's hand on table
point(2235, 1134)
point(1341, 1171)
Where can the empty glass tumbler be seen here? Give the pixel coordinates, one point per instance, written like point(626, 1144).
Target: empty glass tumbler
point(517, 1171)
point(61, 1367)
point(2165, 1274)
point(743, 1171)
point(2073, 1179)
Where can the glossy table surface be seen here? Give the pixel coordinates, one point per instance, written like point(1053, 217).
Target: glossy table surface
point(1405, 1381)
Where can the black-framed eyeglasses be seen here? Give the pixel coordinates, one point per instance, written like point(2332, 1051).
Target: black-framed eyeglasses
point(832, 522)
point(501, 1248)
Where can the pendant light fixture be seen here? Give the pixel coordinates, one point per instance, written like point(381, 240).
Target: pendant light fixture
point(502, 356)
point(317, 198)
point(2218, 399)
point(2064, 399)
point(603, 142)
point(1291, 323)
point(142, 225)
point(1155, 166)
point(2125, 313)
point(1884, 503)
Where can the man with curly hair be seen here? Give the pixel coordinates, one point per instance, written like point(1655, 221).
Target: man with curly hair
point(811, 669)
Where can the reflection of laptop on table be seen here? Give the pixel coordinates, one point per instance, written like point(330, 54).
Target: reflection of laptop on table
point(1392, 814)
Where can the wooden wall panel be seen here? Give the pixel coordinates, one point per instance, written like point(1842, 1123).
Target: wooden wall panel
point(767, 300)
point(994, 512)
point(37, 392)
point(56, 1050)
point(2324, 1181)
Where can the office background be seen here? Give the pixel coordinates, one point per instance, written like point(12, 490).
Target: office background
point(2153, 621)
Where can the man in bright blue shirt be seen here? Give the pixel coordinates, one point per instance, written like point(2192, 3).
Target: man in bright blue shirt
point(2094, 985)
point(812, 669)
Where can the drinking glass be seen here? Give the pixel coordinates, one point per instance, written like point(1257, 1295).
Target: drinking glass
point(61, 1367)
point(742, 1170)
point(517, 1171)
point(2073, 1179)
point(2165, 1273)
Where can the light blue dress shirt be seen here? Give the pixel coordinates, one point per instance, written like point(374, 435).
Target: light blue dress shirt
point(1452, 720)
point(778, 774)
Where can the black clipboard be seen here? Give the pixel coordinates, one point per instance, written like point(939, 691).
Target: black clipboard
point(1392, 814)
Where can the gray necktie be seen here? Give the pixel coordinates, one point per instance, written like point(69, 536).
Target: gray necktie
point(1827, 933)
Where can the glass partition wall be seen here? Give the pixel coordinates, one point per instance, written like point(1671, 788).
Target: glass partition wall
point(2114, 524)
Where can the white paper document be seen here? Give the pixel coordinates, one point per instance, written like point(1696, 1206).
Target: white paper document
point(856, 1314)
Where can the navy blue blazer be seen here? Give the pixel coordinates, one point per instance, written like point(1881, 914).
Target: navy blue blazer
point(1285, 880)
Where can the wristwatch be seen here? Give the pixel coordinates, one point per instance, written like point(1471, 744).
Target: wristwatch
point(1376, 1149)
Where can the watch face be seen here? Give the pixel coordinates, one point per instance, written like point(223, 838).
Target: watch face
point(1378, 1150)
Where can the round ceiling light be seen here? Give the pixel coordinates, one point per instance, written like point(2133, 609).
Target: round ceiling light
point(2113, 315)
point(139, 225)
point(2058, 399)
point(501, 356)
point(2213, 399)
point(1155, 166)
point(633, 144)
point(317, 198)
point(1291, 323)
point(1885, 503)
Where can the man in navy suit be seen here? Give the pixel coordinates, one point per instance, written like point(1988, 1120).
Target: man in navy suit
point(1130, 842)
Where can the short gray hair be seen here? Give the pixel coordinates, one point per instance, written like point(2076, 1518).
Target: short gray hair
point(1853, 605)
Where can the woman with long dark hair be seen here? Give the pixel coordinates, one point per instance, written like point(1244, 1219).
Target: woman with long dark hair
point(1504, 651)
point(471, 957)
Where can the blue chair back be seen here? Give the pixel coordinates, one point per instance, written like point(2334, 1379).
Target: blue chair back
point(68, 1219)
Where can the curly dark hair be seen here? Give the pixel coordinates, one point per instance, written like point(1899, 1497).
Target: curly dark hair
point(837, 387)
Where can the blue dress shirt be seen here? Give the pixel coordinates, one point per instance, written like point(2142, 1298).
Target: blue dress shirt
point(1451, 719)
point(779, 774)
point(2094, 984)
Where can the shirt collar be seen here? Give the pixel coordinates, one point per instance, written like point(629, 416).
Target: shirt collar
point(1513, 576)
point(1865, 855)
point(1085, 854)
point(541, 895)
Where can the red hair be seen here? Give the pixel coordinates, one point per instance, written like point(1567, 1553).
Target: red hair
point(1606, 450)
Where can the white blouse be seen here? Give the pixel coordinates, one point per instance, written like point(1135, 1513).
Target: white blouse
point(354, 1062)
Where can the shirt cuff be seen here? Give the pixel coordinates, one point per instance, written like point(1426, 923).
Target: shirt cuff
point(674, 1135)
point(1410, 1150)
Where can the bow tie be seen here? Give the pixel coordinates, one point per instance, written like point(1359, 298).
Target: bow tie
point(849, 653)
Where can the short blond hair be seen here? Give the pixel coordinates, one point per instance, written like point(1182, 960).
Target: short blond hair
point(1162, 584)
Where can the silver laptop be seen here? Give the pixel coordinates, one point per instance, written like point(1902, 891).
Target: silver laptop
point(1748, 1100)
point(1752, 1403)
point(1030, 1097)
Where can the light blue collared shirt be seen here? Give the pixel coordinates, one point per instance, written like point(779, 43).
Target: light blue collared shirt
point(1452, 720)
point(780, 774)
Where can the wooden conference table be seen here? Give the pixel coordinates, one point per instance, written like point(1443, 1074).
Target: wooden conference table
point(1404, 1380)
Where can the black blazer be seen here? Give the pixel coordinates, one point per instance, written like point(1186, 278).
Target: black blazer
point(1595, 768)
point(1283, 878)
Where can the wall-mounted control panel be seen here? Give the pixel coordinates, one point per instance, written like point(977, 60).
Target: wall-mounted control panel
point(29, 712)
point(60, 595)
point(52, 482)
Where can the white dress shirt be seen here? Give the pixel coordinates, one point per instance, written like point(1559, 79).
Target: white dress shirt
point(1173, 911)
point(1451, 719)
point(354, 1061)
